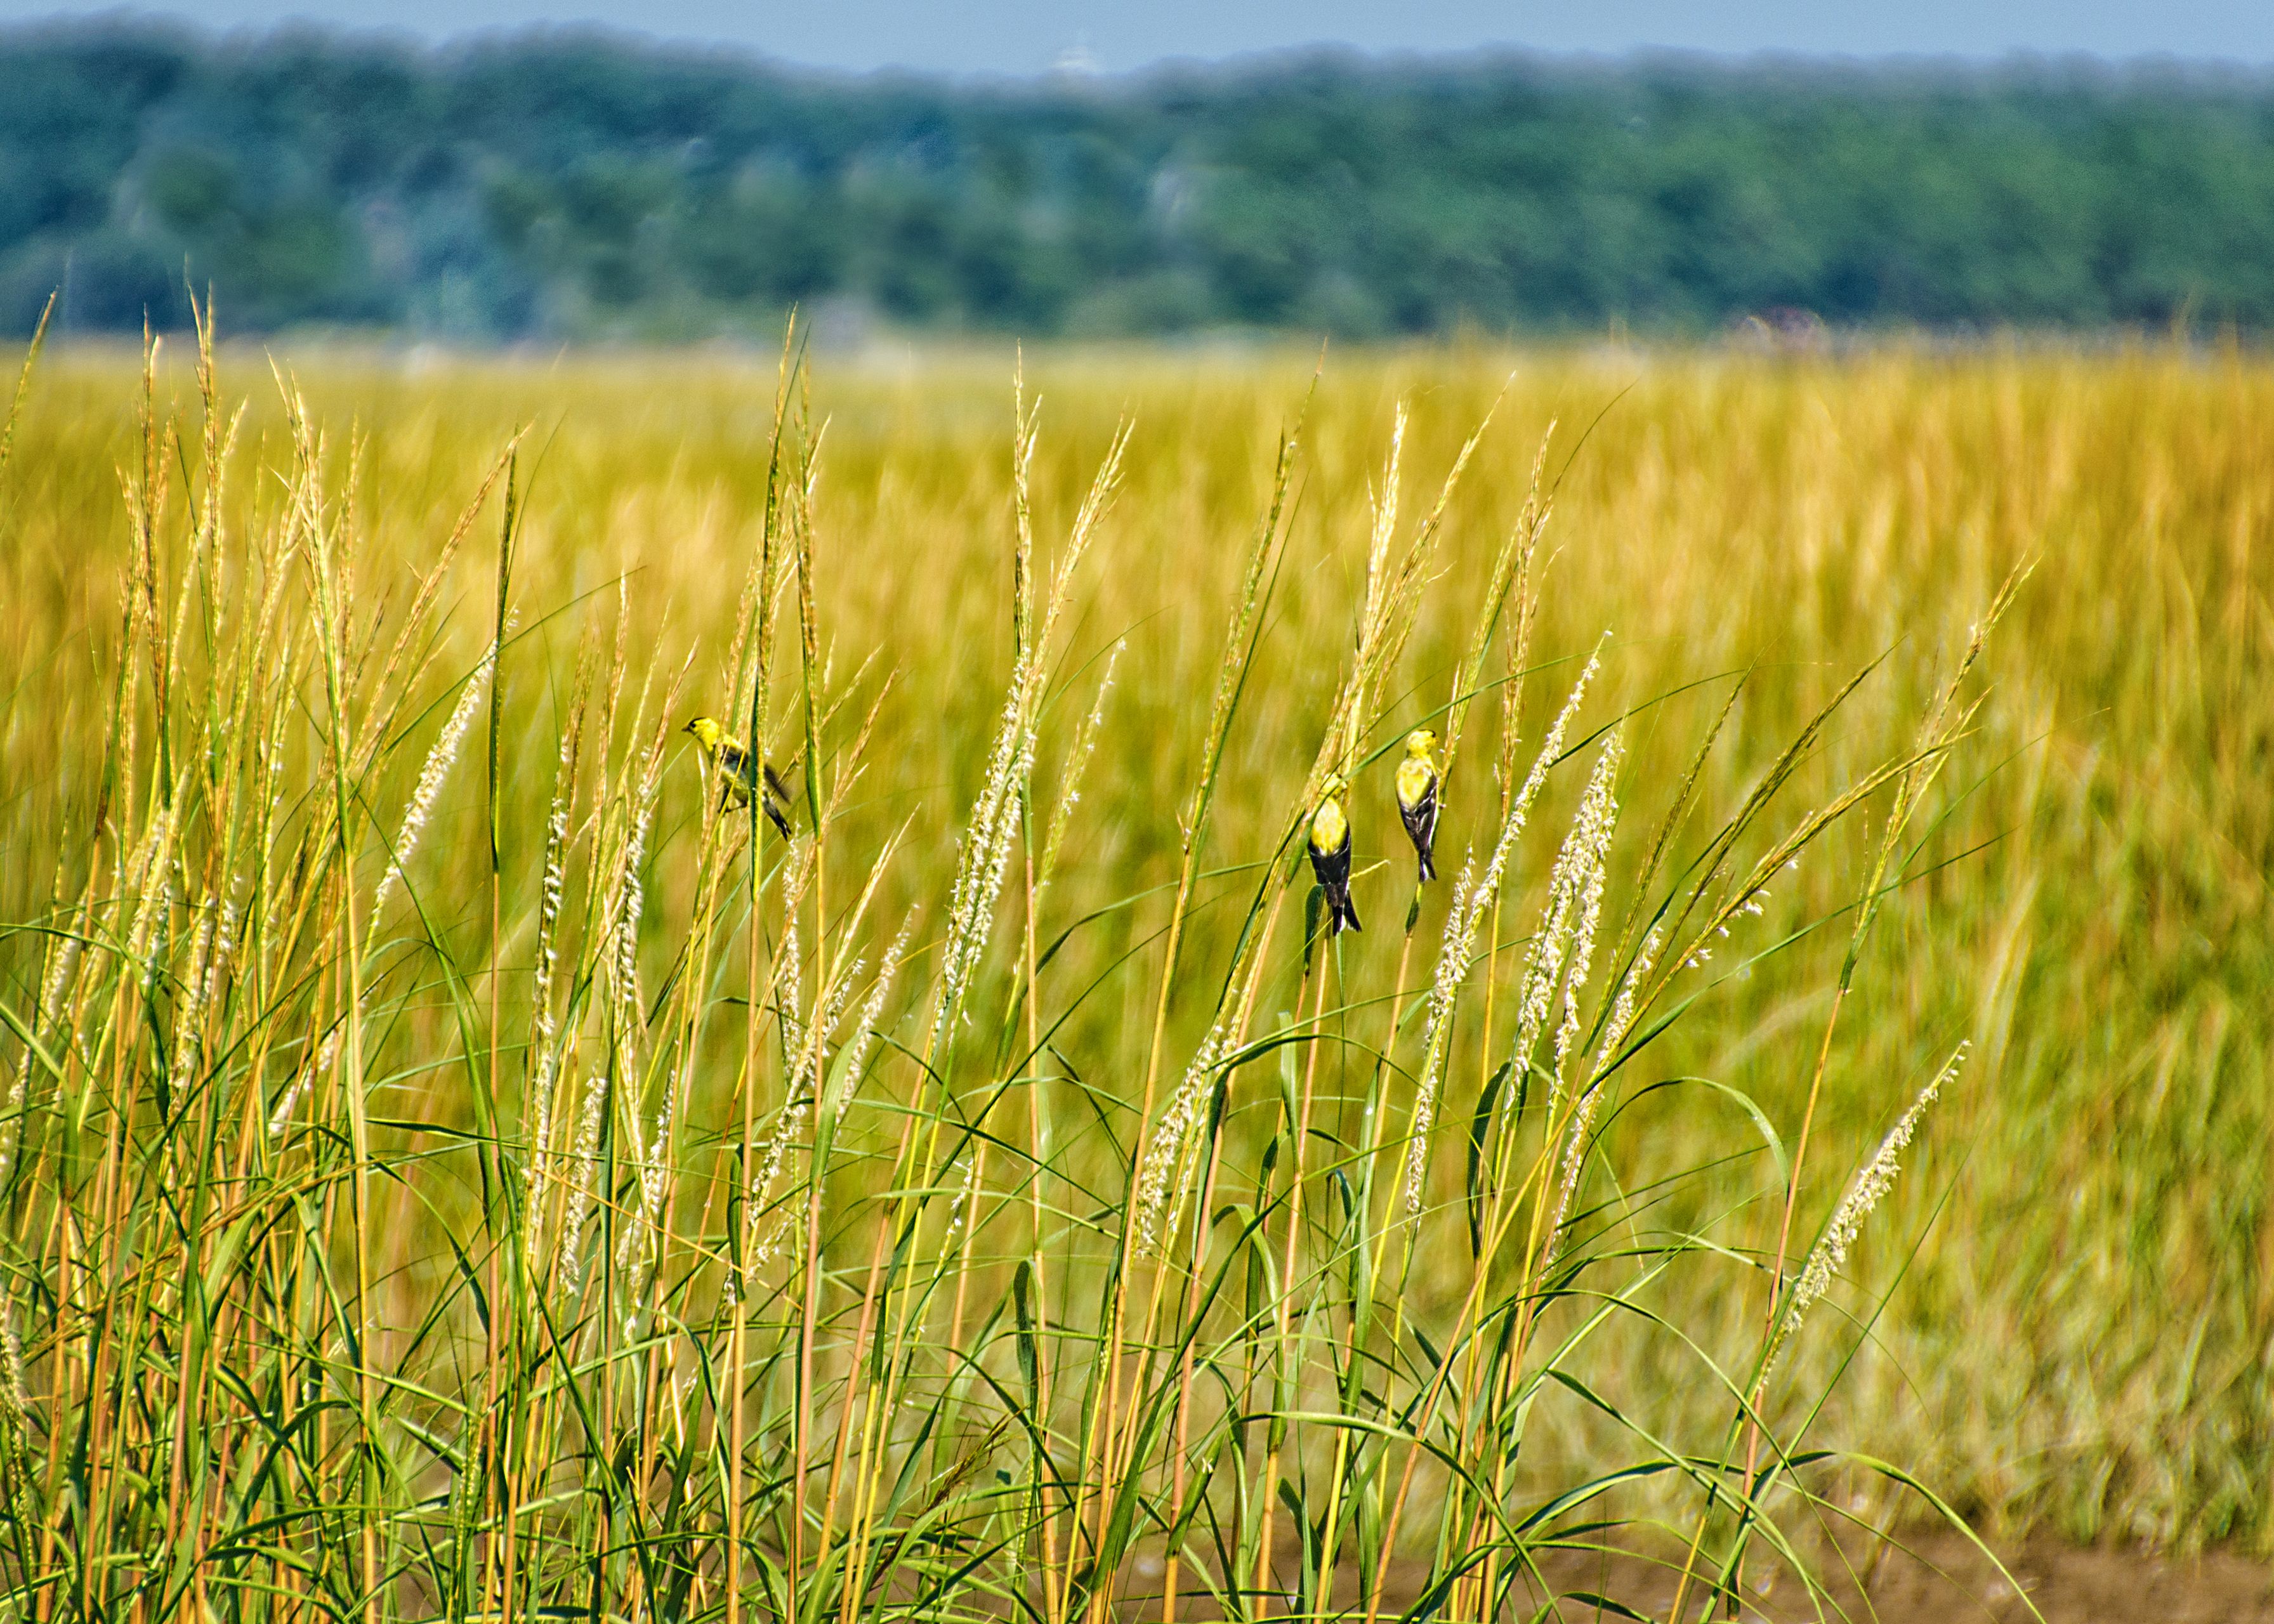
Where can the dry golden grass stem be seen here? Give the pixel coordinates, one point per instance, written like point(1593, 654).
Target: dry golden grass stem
point(574, 1287)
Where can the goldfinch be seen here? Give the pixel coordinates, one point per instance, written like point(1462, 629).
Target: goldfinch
point(1330, 861)
point(1417, 796)
point(737, 771)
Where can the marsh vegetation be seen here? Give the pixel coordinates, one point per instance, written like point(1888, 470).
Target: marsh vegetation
point(456, 1162)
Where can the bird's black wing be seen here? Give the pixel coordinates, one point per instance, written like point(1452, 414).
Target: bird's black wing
point(1421, 820)
point(734, 773)
point(736, 766)
point(1334, 870)
point(1421, 827)
point(778, 800)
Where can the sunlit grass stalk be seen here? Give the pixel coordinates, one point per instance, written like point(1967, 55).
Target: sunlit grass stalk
point(1157, 1150)
point(775, 516)
point(574, 1322)
point(1385, 620)
point(981, 865)
point(1945, 724)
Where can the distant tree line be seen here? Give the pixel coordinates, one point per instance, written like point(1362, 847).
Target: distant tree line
point(556, 184)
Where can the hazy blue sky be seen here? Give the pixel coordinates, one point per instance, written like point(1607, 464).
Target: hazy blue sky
point(1024, 36)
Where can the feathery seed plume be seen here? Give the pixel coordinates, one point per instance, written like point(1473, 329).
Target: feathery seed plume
point(437, 768)
point(1553, 957)
point(1583, 1115)
point(1461, 927)
point(580, 1188)
point(12, 1382)
point(1084, 743)
point(1876, 1177)
point(1164, 1156)
point(863, 1039)
point(1599, 815)
point(1452, 968)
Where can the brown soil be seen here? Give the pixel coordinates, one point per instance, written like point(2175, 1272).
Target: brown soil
point(1935, 1577)
point(1943, 1579)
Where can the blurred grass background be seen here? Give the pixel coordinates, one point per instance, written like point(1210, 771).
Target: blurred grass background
point(2082, 1339)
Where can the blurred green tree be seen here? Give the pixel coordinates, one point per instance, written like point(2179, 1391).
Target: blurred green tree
point(577, 185)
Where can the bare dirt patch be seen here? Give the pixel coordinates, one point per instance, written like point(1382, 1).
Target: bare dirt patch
point(1941, 1578)
point(2071, 1585)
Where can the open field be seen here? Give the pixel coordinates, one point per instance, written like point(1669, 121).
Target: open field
point(381, 1227)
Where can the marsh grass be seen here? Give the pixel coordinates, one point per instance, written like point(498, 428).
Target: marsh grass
point(449, 1178)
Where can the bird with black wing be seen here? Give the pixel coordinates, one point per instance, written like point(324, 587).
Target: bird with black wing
point(1419, 775)
point(1329, 842)
point(736, 770)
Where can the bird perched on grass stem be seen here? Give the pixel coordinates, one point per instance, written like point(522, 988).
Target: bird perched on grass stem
point(737, 771)
point(1418, 776)
point(1330, 859)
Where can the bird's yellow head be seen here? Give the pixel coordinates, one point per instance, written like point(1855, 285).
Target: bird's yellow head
point(1328, 827)
point(707, 733)
point(1421, 743)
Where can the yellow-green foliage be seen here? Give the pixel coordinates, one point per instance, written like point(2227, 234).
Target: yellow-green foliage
point(2076, 887)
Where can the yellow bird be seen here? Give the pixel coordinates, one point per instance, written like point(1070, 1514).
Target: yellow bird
point(1418, 776)
point(737, 771)
point(1330, 859)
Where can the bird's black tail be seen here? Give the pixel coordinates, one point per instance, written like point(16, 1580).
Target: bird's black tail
point(1343, 910)
point(1428, 866)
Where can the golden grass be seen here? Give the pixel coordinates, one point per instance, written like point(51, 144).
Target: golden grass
point(2082, 1235)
